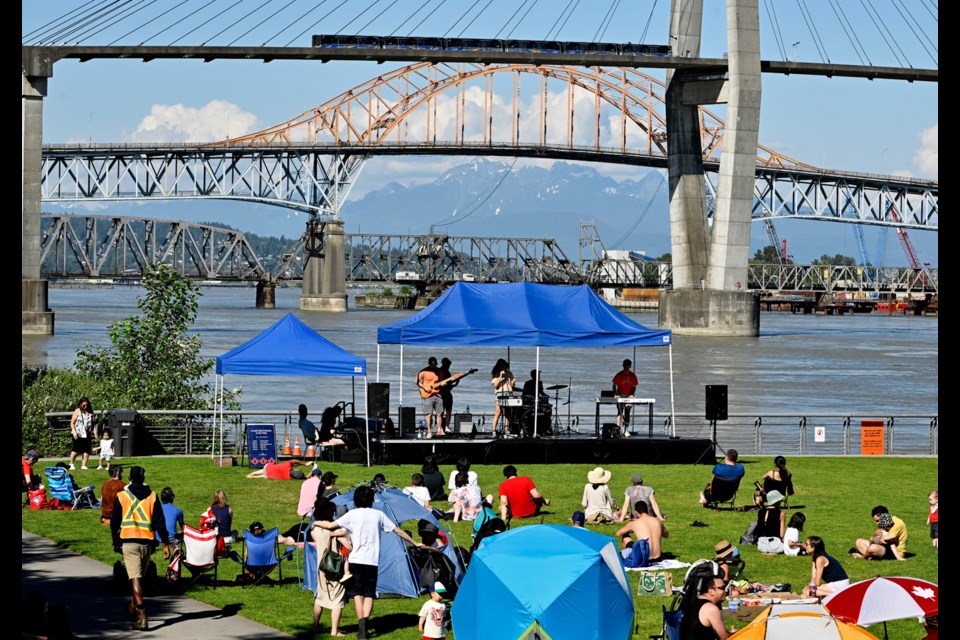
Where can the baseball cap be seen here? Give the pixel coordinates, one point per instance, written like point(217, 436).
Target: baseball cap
point(578, 517)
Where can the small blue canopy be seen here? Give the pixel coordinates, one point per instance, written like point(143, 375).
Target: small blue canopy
point(545, 581)
point(521, 314)
point(290, 348)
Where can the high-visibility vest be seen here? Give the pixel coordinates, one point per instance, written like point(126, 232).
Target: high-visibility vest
point(137, 516)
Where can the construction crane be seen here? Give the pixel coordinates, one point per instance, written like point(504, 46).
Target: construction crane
point(776, 242)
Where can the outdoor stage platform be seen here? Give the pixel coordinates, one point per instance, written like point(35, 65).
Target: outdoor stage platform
point(574, 448)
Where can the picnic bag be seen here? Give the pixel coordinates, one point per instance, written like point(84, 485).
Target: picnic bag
point(655, 583)
point(333, 563)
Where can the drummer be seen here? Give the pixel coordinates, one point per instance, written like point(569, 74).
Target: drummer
point(532, 386)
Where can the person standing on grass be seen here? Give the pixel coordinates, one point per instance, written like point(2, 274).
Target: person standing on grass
point(83, 423)
point(364, 526)
point(934, 518)
point(432, 613)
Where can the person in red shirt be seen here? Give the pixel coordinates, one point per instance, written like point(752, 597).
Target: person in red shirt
point(519, 497)
point(624, 386)
point(26, 466)
point(281, 470)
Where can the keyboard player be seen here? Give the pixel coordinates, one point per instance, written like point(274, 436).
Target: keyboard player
point(624, 386)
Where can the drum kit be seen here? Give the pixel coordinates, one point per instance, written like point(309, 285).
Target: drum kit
point(523, 411)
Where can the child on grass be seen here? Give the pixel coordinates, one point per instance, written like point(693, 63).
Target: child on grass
point(106, 449)
point(933, 519)
point(432, 613)
point(791, 539)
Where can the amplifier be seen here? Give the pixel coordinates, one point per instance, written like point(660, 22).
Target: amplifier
point(461, 423)
point(610, 430)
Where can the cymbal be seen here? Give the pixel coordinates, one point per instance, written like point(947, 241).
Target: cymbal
point(557, 387)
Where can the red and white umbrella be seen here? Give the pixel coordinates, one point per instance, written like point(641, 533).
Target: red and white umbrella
point(882, 599)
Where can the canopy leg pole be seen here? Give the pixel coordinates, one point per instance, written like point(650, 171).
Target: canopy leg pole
point(673, 411)
point(217, 412)
point(536, 390)
point(366, 417)
point(378, 362)
point(401, 375)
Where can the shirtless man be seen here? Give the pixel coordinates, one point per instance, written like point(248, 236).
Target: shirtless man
point(644, 527)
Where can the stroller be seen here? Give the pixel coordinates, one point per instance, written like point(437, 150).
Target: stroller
point(66, 492)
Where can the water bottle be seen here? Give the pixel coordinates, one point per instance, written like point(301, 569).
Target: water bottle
point(421, 428)
point(468, 410)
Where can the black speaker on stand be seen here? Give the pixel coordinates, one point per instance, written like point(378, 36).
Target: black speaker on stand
point(378, 399)
point(716, 409)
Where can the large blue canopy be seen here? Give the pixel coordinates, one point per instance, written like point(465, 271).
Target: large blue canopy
point(290, 348)
point(521, 315)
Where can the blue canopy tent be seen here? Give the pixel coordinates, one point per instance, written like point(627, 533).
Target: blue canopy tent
point(545, 581)
point(289, 348)
point(522, 315)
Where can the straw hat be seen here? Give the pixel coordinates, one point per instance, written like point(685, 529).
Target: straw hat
point(599, 476)
point(723, 549)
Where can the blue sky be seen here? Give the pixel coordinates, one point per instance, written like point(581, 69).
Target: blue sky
point(868, 126)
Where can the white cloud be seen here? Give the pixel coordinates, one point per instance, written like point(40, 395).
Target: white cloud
point(927, 157)
point(217, 120)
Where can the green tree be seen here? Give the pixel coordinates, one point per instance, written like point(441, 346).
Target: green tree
point(768, 255)
point(839, 260)
point(666, 257)
point(152, 362)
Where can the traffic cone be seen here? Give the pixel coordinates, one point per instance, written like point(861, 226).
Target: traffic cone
point(286, 445)
point(296, 447)
point(311, 451)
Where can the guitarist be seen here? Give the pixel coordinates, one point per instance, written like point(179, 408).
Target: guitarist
point(427, 381)
point(446, 391)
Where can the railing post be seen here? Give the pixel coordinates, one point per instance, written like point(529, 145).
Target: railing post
point(758, 435)
point(891, 447)
point(803, 434)
point(846, 435)
point(934, 440)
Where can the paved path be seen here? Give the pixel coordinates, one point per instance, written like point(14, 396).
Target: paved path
point(83, 585)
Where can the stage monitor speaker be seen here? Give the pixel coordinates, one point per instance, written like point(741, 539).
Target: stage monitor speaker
point(610, 430)
point(462, 423)
point(378, 399)
point(716, 402)
point(407, 422)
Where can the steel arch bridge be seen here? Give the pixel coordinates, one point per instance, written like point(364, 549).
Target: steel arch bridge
point(605, 114)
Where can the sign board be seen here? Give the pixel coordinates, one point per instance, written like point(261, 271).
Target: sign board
point(871, 438)
point(819, 433)
point(262, 444)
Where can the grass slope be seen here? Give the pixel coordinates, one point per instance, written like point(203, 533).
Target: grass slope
point(835, 494)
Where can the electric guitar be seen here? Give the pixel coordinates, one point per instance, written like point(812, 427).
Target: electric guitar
point(430, 390)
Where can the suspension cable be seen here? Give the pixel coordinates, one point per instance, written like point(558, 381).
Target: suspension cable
point(519, 22)
point(122, 18)
point(851, 34)
point(560, 17)
point(409, 18)
point(482, 202)
point(522, 5)
point(427, 17)
point(197, 28)
point(321, 19)
point(646, 27)
point(296, 20)
point(640, 218)
point(777, 36)
point(605, 21)
point(41, 31)
point(84, 21)
point(462, 16)
point(168, 27)
point(884, 31)
point(804, 11)
point(479, 13)
point(260, 24)
point(913, 31)
point(235, 22)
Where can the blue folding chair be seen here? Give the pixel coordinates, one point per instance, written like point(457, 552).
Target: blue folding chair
point(62, 488)
point(261, 555)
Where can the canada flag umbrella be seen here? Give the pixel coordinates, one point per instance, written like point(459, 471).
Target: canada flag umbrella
point(882, 599)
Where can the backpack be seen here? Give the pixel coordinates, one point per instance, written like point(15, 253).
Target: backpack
point(435, 567)
point(38, 499)
point(749, 536)
point(639, 555)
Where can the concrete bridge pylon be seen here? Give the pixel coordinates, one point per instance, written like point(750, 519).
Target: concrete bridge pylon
point(324, 285)
point(710, 260)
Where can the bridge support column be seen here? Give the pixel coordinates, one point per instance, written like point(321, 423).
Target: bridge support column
point(710, 264)
point(266, 295)
point(36, 317)
point(324, 274)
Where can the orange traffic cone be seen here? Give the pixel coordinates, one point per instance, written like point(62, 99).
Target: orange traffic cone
point(311, 451)
point(296, 447)
point(286, 445)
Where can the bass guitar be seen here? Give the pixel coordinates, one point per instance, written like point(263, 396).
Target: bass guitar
point(430, 390)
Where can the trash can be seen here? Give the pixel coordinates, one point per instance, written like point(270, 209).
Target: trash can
point(123, 424)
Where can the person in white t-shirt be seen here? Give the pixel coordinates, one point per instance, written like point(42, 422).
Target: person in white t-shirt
point(364, 526)
point(792, 545)
point(432, 612)
point(419, 492)
point(462, 465)
point(106, 449)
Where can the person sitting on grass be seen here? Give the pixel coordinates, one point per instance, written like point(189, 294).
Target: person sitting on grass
point(648, 531)
point(791, 539)
point(519, 497)
point(827, 575)
point(889, 541)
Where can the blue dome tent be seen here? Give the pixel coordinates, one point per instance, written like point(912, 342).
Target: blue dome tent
point(544, 581)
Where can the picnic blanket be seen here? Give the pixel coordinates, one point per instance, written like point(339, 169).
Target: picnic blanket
point(668, 563)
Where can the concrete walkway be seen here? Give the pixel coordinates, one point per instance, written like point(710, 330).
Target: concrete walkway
point(83, 585)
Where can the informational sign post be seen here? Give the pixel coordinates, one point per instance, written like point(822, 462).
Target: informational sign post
point(871, 438)
point(819, 433)
point(262, 444)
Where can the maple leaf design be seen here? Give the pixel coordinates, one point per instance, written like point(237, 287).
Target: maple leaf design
point(923, 592)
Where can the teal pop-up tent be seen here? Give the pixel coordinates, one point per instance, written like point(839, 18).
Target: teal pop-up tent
point(544, 581)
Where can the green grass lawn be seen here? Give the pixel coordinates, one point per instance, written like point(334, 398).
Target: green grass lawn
point(835, 494)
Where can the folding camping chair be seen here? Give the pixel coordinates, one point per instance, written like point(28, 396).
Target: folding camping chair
point(64, 489)
point(200, 553)
point(260, 555)
point(723, 492)
point(682, 597)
